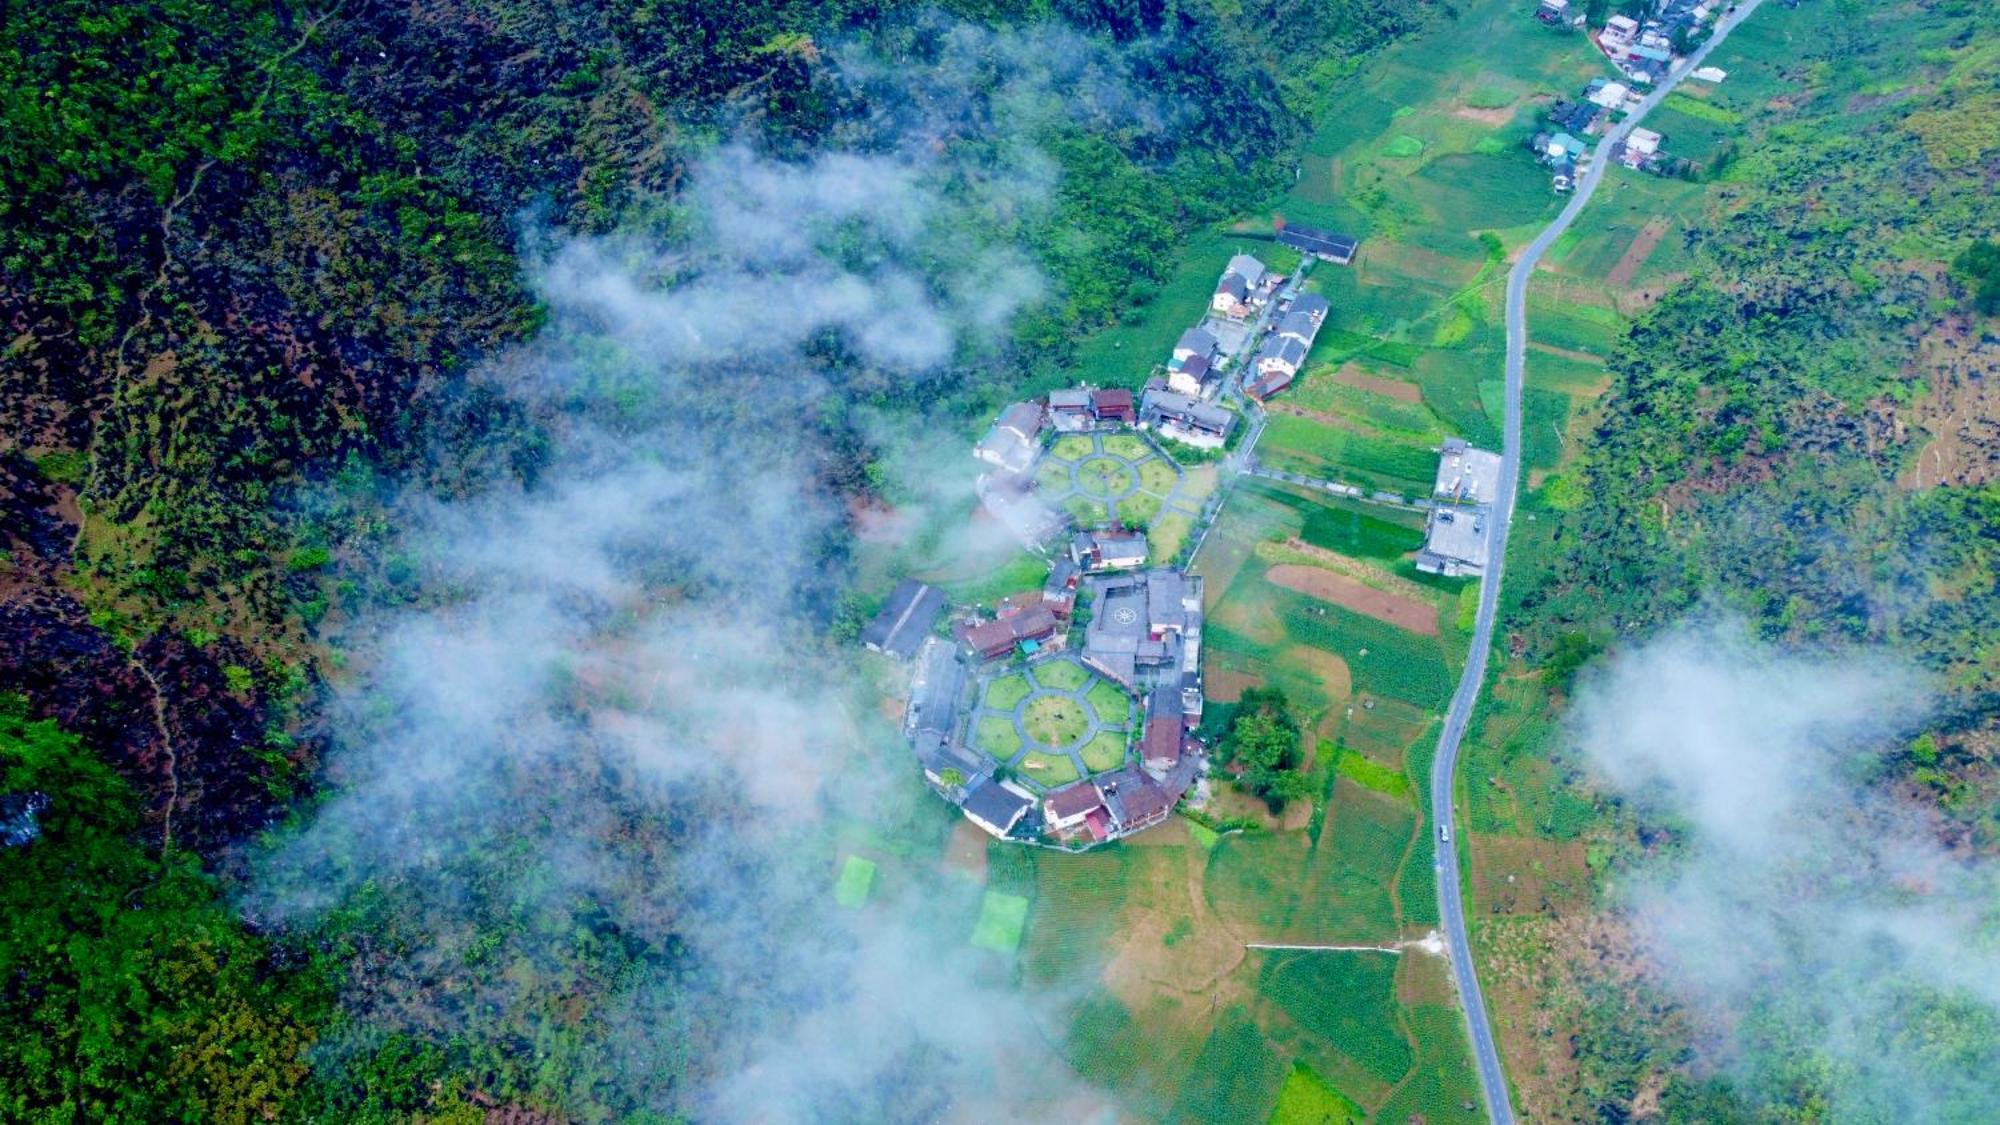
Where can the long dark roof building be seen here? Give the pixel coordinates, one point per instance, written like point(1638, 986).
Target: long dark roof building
point(905, 621)
point(1336, 248)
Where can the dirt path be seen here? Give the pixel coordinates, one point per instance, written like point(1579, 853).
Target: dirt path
point(1636, 254)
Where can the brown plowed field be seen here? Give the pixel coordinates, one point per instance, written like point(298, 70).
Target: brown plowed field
point(1338, 589)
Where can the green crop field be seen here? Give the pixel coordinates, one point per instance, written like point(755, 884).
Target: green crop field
point(1308, 1099)
point(1348, 999)
point(1322, 450)
point(1349, 527)
point(1443, 1087)
point(1001, 917)
point(857, 878)
point(1382, 657)
point(1236, 1078)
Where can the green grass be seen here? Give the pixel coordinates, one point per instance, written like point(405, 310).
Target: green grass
point(1157, 476)
point(1370, 774)
point(1203, 836)
point(1062, 675)
point(1490, 97)
point(1055, 720)
point(1125, 354)
point(1002, 694)
point(1020, 571)
point(1349, 527)
point(1130, 446)
point(1048, 770)
point(1104, 753)
point(1053, 477)
point(1078, 900)
point(1001, 918)
point(857, 878)
point(996, 737)
point(1326, 450)
point(1109, 701)
point(1382, 657)
point(1167, 534)
point(1139, 509)
point(1347, 999)
point(1403, 146)
point(1103, 477)
point(1072, 447)
point(1087, 512)
point(1706, 111)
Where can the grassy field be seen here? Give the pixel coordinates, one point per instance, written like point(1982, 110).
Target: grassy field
point(857, 878)
point(1105, 752)
point(1062, 675)
point(1001, 919)
point(1347, 999)
point(1308, 1099)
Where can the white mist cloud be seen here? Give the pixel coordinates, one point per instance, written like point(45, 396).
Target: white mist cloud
point(616, 725)
point(1817, 924)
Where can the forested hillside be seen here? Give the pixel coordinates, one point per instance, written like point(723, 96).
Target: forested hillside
point(259, 265)
point(1797, 444)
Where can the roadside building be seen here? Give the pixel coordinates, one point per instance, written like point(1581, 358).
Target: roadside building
point(1195, 342)
point(1455, 542)
point(997, 806)
point(1641, 147)
point(1189, 378)
point(1466, 475)
point(1243, 289)
point(906, 619)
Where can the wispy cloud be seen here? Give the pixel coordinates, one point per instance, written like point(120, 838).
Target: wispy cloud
point(1816, 923)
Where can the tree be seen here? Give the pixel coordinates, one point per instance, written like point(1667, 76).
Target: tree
point(1263, 738)
point(1979, 267)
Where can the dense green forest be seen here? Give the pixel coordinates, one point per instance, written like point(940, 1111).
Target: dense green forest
point(254, 259)
point(1785, 444)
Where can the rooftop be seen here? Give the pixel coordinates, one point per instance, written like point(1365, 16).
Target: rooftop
point(906, 619)
point(1467, 475)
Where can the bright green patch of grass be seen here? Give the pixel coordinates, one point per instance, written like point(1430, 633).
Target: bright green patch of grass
point(1001, 918)
point(857, 878)
point(1109, 701)
point(1403, 146)
point(1053, 476)
point(1072, 447)
point(1395, 462)
point(1002, 694)
point(996, 738)
point(1087, 512)
point(1048, 770)
point(1490, 97)
point(1021, 571)
point(1129, 446)
point(1346, 998)
point(1203, 836)
point(1103, 477)
point(1055, 720)
point(1139, 509)
point(1706, 111)
point(1157, 476)
point(1104, 753)
point(1308, 1099)
point(1371, 774)
point(1347, 526)
point(1062, 675)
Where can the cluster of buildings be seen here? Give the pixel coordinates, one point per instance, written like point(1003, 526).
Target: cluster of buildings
point(1458, 533)
point(1647, 50)
point(1601, 104)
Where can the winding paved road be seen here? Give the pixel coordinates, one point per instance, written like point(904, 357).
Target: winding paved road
point(1451, 906)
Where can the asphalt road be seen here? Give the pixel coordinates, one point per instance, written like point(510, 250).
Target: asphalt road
point(1451, 906)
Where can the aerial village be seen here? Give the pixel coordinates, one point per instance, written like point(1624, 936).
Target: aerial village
point(1067, 716)
point(1644, 53)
